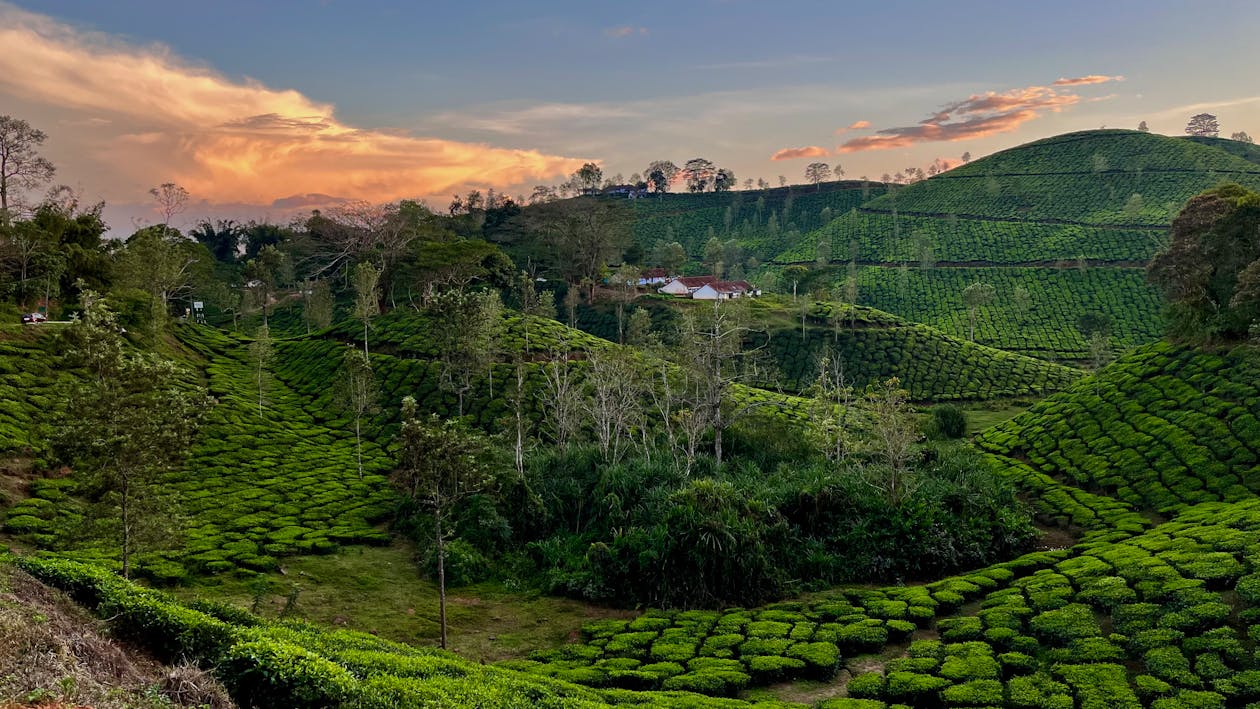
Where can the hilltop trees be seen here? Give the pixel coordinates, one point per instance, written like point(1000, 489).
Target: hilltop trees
point(660, 174)
point(1210, 270)
point(1203, 125)
point(21, 167)
point(817, 172)
point(699, 174)
point(1241, 136)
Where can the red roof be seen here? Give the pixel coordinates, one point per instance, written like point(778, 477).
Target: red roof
point(696, 281)
point(655, 273)
point(731, 286)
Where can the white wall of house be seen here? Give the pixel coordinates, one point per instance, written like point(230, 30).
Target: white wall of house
point(708, 292)
point(674, 287)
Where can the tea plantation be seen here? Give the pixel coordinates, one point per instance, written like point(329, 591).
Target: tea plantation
point(873, 346)
point(1087, 209)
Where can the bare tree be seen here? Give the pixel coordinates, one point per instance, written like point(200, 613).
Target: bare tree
point(261, 352)
point(614, 403)
point(563, 397)
point(21, 167)
point(895, 433)
point(171, 200)
point(831, 409)
point(357, 394)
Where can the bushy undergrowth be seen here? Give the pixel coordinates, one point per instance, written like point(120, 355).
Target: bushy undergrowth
point(645, 532)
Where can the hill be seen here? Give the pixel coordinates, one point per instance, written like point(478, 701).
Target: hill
point(1094, 201)
point(764, 222)
point(873, 346)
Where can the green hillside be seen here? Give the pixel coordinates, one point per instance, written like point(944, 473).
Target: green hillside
point(1164, 428)
point(1095, 200)
point(764, 222)
point(872, 345)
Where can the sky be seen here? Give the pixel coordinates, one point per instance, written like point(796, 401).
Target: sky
point(263, 109)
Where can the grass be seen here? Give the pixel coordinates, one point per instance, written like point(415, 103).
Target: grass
point(380, 590)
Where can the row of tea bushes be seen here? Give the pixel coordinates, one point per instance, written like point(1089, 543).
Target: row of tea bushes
point(1046, 327)
point(932, 366)
point(29, 371)
point(1164, 619)
point(724, 652)
point(880, 237)
point(302, 666)
point(1165, 427)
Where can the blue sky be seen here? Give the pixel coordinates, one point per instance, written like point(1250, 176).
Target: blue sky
point(424, 99)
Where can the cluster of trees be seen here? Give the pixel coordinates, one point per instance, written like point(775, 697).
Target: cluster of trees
point(1210, 270)
point(1205, 125)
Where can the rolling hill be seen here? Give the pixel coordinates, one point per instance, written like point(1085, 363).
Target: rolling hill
point(1099, 202)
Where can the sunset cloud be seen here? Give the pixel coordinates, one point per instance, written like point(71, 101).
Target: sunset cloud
point(155, 117)
point(1086, 80)
point(809, 151)
point(977, 116)
point(856, 125)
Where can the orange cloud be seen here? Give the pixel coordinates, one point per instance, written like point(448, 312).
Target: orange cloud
point(158, 118)
point(809, 151)
point(976, 116)
point(856, 125)
point(1085, 80)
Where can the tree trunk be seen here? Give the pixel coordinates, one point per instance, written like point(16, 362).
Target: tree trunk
point(126, 528)
point(441, 552)
point(358, 443)
point(717, 444)
point(365, 338)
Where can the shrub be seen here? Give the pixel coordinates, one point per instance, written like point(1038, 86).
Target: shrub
point(947, 421)
point(913, 688)
point(869, 685)
point(1065, 624)
point(983, 691)
point(270, 674)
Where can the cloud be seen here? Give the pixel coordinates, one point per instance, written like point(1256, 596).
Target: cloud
point(625, 31)
point(156, 117)
point(517, 120)
point(1086, 80)
point(977, 116)
point(856, 125)
point(809, 151)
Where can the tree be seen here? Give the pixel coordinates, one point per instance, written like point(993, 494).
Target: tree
point(976, 296)
point(162, 262)
point(366, 297)
point(831, 409)
point(261, 352)
point(660, 174)
point(262, 275)
point(793, 275)
point(895, 432)
point(698, 174)
point(1207, 266)
point(467, 328)
point(817, 172)
point(1022, 300)
point(441, 464)
point(624, 282)
point(1241, 136)
point(317, 308)
point(838, 171)
point(582, 236)
point(669, 256)
point(1203, 125)
point(21, 167)
point(724, 180)
point(123, 427)
point(357, 394)
point(1142, 127)
point(966, 157)
point(222, 238)
point(590, 177)
point(171, 200)
point(614, 400)
point(1133, 206)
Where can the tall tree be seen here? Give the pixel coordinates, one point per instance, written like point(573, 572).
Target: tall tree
point(1142, 127)
point(124, 425)
point(366, 297)
point(817, 172)
point(659, 175)
point(698, 174)
point(723, 180)
point(357, 394)
point(441, 464)
point(21, 166)
point(162, 262)
point(467, 327)
point(590, 177)
point(171, 199)
point(896, 432)
point(976, 296)
point(582, 236)
point(261, 351)
point(1204, 125)
point(317, 308)
point(614, 401)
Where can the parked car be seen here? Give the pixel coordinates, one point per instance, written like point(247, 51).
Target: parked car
point(33, 318)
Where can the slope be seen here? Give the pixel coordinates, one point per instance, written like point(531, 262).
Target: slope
point(1093, 200)
point(872, 345)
